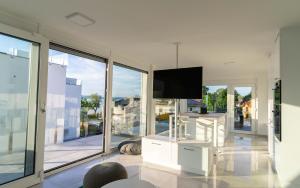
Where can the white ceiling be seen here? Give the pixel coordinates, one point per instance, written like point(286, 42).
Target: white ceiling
point(213, 32)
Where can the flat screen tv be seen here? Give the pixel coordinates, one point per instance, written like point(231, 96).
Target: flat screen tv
point(183, 83)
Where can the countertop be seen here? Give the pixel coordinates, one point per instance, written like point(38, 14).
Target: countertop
point(208, 115)
point(184, 141)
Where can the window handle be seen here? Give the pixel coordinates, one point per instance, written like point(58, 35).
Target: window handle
point(43, 107)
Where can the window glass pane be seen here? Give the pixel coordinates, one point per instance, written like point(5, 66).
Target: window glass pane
point(18, 94)
point(215, 98)
point(129, 104)
point(164, 109)
point(75, 108)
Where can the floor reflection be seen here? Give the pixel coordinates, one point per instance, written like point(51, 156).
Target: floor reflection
point(243, 163)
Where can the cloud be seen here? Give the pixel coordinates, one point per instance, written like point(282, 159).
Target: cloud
point(91, 73)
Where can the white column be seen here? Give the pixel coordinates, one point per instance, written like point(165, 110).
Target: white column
point(215, 137)
point(143, 104)
point(150, 104)
point(230, 107)
point(108, 106)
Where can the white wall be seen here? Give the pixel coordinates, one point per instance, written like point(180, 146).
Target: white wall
point(262, 103)
point(273, 76)
point(287, 152)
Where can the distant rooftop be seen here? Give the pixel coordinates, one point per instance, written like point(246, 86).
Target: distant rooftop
point(16, 53)
point(61, 59)
point(73, 81)
point(192, 102)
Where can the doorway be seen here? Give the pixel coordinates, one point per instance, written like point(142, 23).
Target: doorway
point(243, 109)
point(75, 112)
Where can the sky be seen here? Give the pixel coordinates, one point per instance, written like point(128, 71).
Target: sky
point(126, 82)
point(243, 90)
point(212, 89)
point(8, 43)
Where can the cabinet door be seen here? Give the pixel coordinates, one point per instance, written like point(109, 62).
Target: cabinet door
point(193, 159)
point(156, 151)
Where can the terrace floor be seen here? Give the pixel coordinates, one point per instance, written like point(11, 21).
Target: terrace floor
point(12, 164)
point(59, 154)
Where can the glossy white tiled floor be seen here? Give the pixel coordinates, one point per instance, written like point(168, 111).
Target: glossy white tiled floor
point(243, 163)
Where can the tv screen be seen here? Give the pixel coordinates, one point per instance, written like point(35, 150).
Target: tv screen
point(183, 83)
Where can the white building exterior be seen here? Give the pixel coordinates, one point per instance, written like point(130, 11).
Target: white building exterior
point(63, 106)
point(13, 103)
point(72, 109)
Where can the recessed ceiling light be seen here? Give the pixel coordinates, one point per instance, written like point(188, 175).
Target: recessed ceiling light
point(80, 19)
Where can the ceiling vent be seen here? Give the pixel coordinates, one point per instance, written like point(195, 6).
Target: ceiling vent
point(80, 19)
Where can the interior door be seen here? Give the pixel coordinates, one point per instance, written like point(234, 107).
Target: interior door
point(243, 109)
point(19, 73)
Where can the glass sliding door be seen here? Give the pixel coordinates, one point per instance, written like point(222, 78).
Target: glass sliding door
point(18, 107)
point(75, 106)
point(244, 109)
point(129, 95)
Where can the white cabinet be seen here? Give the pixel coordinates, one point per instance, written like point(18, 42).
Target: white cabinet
point(156, 151)
point(196, 159)
point(190, 156)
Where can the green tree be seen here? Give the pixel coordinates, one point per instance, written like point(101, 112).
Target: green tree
point(204, 90)
point(216, 101)
point(247, 97)
point(84, 103)
point(84, 109)
point(237, 97)
point(221, 100)
point(94, 102)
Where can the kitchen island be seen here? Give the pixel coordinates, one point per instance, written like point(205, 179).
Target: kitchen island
point(184, 155)
point(190, 145)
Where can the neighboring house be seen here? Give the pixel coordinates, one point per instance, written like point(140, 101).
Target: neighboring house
point(13, 103)
point(72, 109)
point(63, 105)
point(193, 105)
point(164, 107)
point(126, 116)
